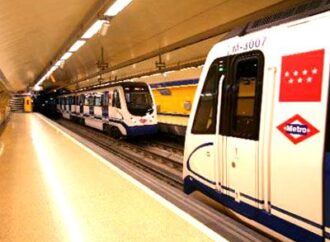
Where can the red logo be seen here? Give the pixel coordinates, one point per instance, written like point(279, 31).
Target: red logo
point(142, 120)
point(301, 77)
point(297, 129)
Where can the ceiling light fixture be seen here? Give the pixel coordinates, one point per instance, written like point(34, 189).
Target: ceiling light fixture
point(76, 46)
point(118, 6)
point(101, 26)
point(54, 68)
point(59, 63)
point(93, 29)
point(104, 28)
point(37, 88)
point(66, 56)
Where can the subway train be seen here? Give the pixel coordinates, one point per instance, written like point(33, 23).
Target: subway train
point(123, 109)
point(258, 136)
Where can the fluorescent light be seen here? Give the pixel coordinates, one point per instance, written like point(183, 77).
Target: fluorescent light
point(93, 29)
point(66, 56)
point(54, 68)
point(104, 28)
point(59, 63)
point(77, 45)
point(37, 88)
point(117, 7)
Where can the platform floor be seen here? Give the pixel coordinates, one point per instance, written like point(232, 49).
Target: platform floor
point(54, 189)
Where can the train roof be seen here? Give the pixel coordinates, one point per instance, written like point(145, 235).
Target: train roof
point(304, 10)
point(104, 88)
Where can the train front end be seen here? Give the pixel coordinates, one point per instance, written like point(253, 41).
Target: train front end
point(141, 109)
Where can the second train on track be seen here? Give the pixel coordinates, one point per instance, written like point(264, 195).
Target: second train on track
point(123, 109)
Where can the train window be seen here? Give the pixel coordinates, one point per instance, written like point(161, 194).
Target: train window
point(138, 100)
point(205, 118)
point(105, 99)
point(110, 98)
point(241, 102)
point(91, 100)
point(98, 100)
point(86, 101)
point(82, 100)
point(116, 99)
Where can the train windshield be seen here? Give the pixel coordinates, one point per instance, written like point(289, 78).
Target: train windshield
point(138, 99)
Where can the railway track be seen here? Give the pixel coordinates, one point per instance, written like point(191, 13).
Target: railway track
point(161, 148)
point(163, 164)
point(174, 146)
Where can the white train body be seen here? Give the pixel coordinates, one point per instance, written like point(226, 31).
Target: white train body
point(257, 139)
point(123, 109)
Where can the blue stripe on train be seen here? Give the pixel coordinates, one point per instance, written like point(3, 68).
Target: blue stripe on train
point(175, 83)
point(327, 190)
point(280, 225)
point(137, 130)
point(142, 130)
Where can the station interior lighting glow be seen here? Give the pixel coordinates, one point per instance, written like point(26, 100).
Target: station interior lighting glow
point(93, 29)
point(118, 6)
point(66, 56)
point(59, 63)
point(104, 29)
point(100, 26)
point(76, 46)
point(54, 68)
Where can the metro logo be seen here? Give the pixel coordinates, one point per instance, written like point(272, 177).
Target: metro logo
point(301, 77)
point(297, 129)
point(142, 120)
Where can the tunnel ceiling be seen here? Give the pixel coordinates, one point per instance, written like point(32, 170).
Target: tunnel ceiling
point(33, 32)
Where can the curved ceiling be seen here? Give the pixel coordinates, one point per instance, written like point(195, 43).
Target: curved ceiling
point(32, 34)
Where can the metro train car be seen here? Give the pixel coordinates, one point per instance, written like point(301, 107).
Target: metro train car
point(124, 109)
point(258, 136)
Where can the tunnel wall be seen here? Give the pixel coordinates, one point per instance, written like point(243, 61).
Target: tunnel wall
point(4, 105)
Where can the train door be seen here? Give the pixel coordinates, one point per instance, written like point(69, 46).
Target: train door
point(105, 105)
point(116, 105)
point(77, 98)
point(67, 104)
point(91, 103)
point(201, 143)
point(81, 103)
point(239, 128)
point(73, 104)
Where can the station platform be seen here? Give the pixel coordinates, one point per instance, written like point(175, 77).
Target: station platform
point(54, 188)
